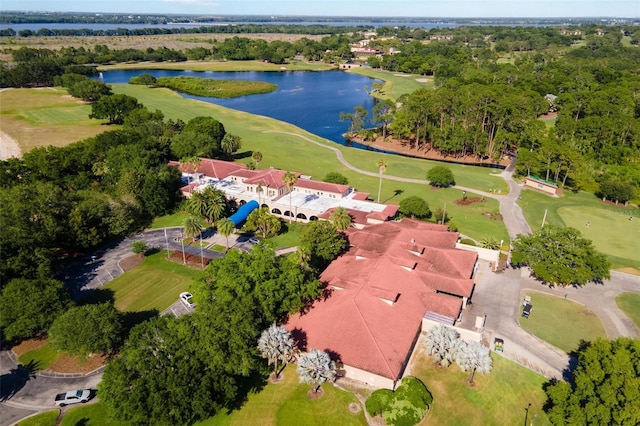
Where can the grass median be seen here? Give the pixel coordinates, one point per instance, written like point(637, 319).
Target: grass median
point(561, 322)
point(630, 305)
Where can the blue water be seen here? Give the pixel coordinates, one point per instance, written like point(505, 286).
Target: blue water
point(311, 100)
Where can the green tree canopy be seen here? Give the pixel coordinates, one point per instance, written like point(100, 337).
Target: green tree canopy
point(415, 207)
point(29, 306)
point(201, 137)
point(115, 108)
point(163, 376)
point(321, 243)
point(441, 176)
point(335, 177)
point(87, 329)
point(240, 295)
point(262, 221)
point(560, 256)
point(605, 387)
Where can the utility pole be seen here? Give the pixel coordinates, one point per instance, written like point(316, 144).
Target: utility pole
point(201, 257)
point(184, 259)
point(166, 239)
point(544, 218)
point(444, 213)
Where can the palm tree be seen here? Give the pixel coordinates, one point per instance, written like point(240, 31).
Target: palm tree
point(490, 242)
point(192, 226)
point(197, 204)
point(225, 227)
point(290, 180)
point(382, 167)
point(474, 356)
point(216, 204)
point(316, 368)
point(340, 218)
point(230, 144)
point(442, 342)
point(191, 164)
point(276, 344)
point(259, 190)
point(256, 157)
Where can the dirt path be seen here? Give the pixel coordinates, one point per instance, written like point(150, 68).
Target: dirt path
point(8, 147)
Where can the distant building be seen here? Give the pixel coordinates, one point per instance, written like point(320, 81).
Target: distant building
point(397, 279)
point(309, 199)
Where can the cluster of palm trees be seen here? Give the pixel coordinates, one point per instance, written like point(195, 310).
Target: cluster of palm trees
point(445, 345)
point(315, 367)
point(208, 206)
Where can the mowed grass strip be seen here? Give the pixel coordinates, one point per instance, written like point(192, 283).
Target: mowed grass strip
point(609, 227)
point(561, 322)
point(154, 284)
point(48, 418)
point(287, 404)
point(498, 398)
point(630, 305)
point(90, 415)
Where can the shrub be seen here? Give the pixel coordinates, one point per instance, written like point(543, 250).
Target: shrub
point(467, 242)
point(441, 176)
point(404, 407)
point(335, 177)
point(138, 247)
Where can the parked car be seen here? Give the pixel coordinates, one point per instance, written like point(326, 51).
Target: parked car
point(526, 311)
point(254, 240)
point(187, 299)
point(73, 397)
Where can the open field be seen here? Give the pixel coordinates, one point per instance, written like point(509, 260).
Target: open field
point(630, 305)
point(154, 284)
point(609, 227)
point(498, 398)
point(561, 322)
point(171, 41)
point(395, 84)
point(48, 116)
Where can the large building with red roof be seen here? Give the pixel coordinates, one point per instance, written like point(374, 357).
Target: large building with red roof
point(307, 201)
point(395, 276)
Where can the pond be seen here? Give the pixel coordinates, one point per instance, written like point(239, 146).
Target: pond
point(310, 100)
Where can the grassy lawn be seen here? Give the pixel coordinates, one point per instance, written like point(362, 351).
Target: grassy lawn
point(630, 304)
point(561, 322)
point(89, 415)
point(287, 404)
point(609, 227)
point(498, 398)
point(174, 219)
point(154, 284)
point(48, 418)
point(48, 116)
point(395, 84)
point(42, 357)
point(221, 66)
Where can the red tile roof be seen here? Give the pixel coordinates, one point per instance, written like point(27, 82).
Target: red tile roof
point(268, 178)
point(322, 186)
point(391, 276)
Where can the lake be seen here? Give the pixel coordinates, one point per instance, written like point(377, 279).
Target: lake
point(310, 100)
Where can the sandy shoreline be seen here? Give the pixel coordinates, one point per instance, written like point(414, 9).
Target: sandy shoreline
point(8, 147)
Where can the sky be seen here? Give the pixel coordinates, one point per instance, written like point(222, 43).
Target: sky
point(397, 8)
